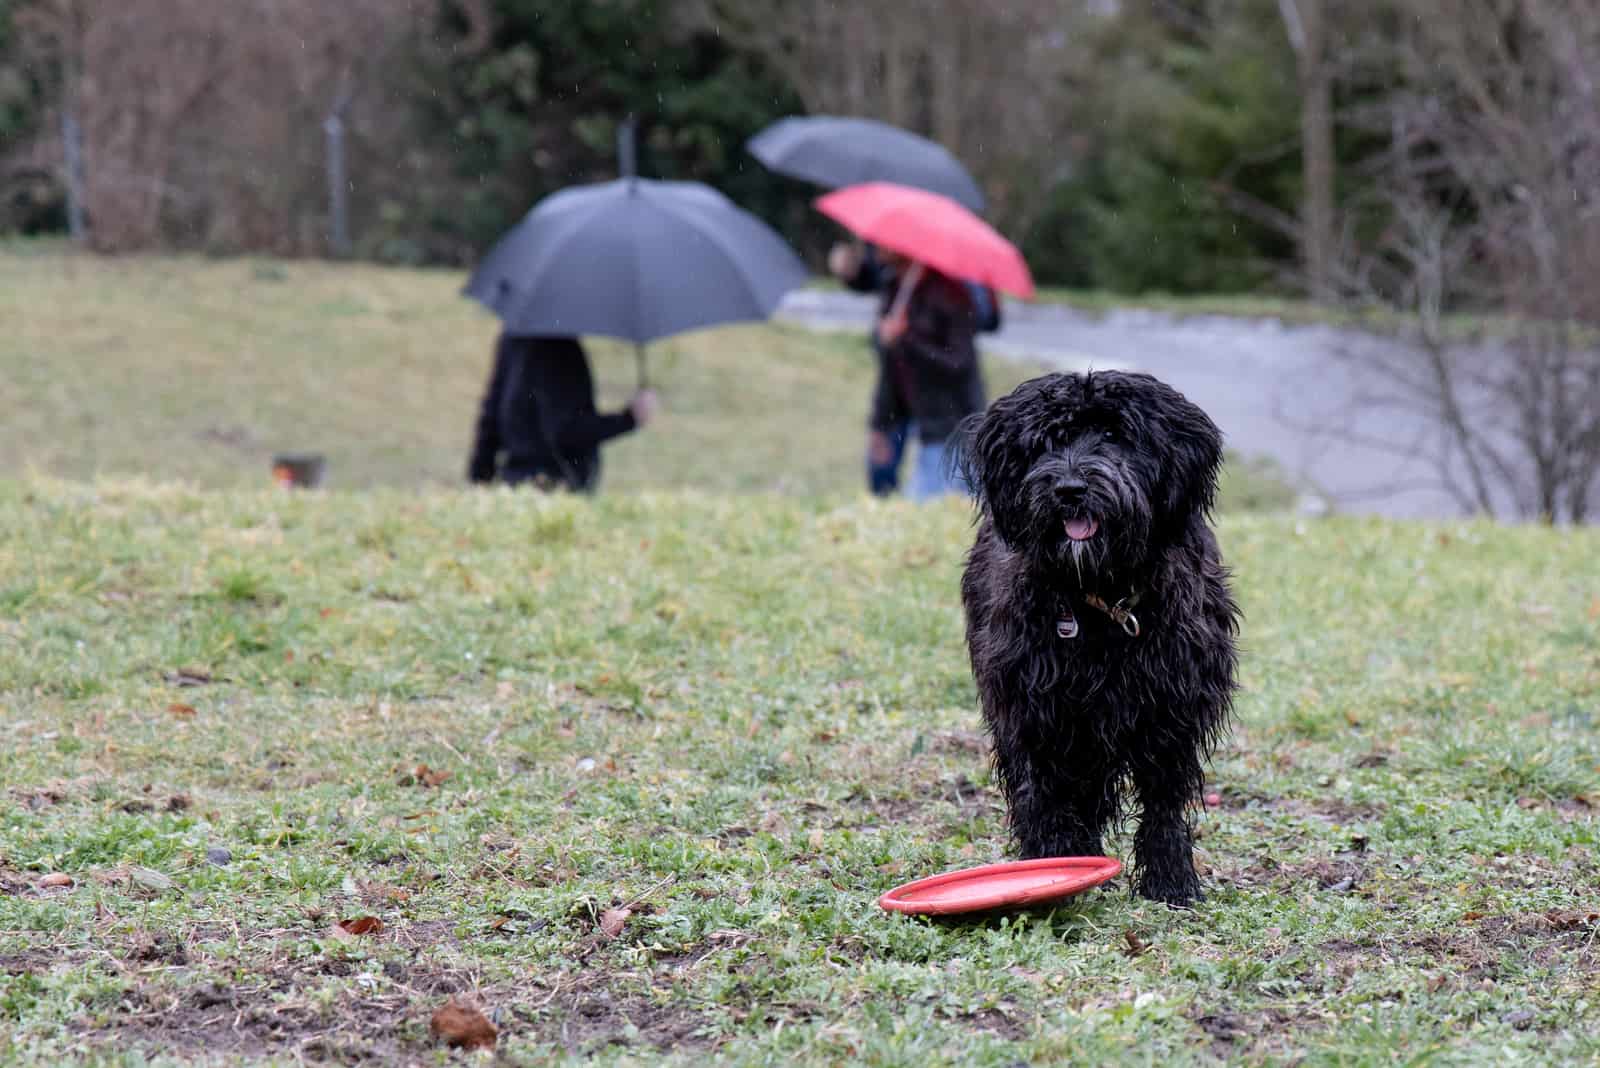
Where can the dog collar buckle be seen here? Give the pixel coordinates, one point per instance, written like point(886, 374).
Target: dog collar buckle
point(1129, 621)
point(1067, 626)
point(1120, 612)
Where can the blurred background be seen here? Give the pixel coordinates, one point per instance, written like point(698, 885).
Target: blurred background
point(1415, 179)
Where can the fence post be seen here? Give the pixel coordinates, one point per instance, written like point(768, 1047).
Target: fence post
point(338, 184)
point(72, 146)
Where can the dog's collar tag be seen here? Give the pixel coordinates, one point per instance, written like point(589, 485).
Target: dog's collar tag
point(1067, 626)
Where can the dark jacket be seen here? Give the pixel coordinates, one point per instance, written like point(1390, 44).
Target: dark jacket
point(930, 377)
point(873, 276)
point(538, 420)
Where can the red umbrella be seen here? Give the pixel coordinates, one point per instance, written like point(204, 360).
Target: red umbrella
point(930, 229)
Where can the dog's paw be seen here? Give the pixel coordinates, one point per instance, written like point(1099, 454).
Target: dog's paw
point(1179, 893)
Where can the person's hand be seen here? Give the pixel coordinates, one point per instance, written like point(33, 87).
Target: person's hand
point(844, 261)
point(891, 328)
point(879, 449)
point(644, 407)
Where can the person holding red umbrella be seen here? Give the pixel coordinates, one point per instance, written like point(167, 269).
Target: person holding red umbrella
point(928, 322)
point(929, 379)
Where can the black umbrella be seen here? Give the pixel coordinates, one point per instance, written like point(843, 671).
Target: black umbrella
point(635, 259)
point(834, 151)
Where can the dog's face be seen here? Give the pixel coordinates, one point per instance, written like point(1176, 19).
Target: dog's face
point(1088, 474)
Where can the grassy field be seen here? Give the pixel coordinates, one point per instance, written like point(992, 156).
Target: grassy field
point(627, 775)
point(199, 370)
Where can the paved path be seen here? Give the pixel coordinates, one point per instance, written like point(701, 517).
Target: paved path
point(1275, 389)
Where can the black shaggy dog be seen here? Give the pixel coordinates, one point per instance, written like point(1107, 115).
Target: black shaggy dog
point(1099, 618)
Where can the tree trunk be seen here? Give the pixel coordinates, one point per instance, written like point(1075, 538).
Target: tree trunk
point(1306, 25)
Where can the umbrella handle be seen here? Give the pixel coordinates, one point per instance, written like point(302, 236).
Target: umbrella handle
point(902, 293)
point(639, 362)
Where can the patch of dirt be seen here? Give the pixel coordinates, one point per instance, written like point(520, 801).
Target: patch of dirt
point(927, 808)
point(996, 1021)
point(1331, 810)
point(253, 1021)
point(1341, 875)
point(1234, 1033)
point(590, 1019)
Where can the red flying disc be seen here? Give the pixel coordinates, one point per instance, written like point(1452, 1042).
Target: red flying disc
point(993, 886)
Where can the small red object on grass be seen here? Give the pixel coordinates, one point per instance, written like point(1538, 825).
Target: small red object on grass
point(993, 886)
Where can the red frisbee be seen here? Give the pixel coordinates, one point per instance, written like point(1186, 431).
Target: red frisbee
point(993, 886)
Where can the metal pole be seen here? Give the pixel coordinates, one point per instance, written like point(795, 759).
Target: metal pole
point(627, 148)
point(72, 146)
point(639, 361)
point(338, 184)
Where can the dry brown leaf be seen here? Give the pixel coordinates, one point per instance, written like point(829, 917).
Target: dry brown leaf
point(356, 926)
point(56, 879)
point(431, 777)
point(1436, 983)
point(1469, 917)
point(1572, 919)
point(463, 1027)
point(613, 920)
point(180, 710)
point(1136, 945)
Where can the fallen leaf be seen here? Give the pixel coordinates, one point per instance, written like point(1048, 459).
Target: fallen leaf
point(613, 920)
point(56, 879)
point(499, 922)
point(463, 1027)
point(424, 776)
point(180, 710)
point(1469, 917)
point(1136, 945)
point(1436, 983)
point(356, 926)
point(1572, 919)
point(1372, 760)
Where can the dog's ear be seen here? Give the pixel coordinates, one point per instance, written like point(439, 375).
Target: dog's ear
point(1195, 446)
point(994, 463)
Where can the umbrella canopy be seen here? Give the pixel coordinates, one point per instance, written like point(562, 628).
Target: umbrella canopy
point(635, 259)
point(834, 152)
point(930, 229)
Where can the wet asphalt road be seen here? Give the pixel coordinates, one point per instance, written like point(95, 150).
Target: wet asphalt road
point(1276, 390)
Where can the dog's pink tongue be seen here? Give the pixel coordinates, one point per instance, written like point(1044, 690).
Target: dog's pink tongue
point(1082, 529)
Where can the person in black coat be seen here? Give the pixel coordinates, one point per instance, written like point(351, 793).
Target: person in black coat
point(865, 269)
point(538, 422)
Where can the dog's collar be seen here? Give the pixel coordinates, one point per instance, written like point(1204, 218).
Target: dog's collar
point(1121, 613)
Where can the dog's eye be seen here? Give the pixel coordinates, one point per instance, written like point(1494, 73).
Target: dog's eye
point(1108, 434)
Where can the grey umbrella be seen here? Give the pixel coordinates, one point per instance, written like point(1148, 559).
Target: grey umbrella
point(636, 259)
point(834, 151)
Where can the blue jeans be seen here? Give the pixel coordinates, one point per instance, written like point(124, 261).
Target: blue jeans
point(932, 476)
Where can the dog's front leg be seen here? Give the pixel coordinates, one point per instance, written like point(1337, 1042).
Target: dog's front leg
point(1053, 814)
point(1167, 782)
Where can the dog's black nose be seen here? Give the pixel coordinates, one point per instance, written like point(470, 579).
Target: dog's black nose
point(1070, 489)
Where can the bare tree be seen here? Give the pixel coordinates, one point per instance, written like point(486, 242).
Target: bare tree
point(1306, 24)
point(989, 81)
point(206, 122)
point(1495, 151)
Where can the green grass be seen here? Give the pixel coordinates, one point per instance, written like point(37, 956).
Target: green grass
point(748, 717)
point(185, 369)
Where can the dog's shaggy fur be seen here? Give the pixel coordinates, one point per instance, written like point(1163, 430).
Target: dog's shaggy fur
point(1097, 488)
